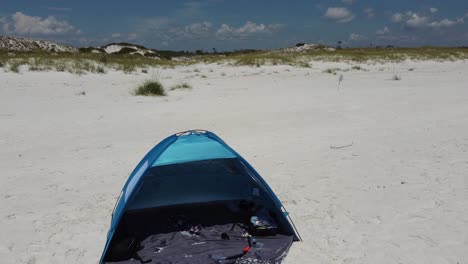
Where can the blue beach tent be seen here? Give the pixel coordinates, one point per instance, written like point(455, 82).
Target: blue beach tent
point(190, 187)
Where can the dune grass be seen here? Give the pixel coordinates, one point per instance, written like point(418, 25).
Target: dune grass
point(14, 66)
point(398, 54)
point(357, 55)
point(150, 88)
point(79, 63)
point(82, 63)
point(263, 58)
point(332, 70)
point(396, 77)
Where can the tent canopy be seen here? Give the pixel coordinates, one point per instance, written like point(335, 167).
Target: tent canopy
point(192, 167)
point(194, 147)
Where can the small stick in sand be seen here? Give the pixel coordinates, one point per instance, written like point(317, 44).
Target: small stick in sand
point(340, 147)
point(339, 81)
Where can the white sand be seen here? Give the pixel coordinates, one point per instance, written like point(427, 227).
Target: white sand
point(65, 157)
point(117, 47)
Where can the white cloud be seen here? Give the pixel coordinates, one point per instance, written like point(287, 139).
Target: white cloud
point(370, 12)
point(398, 39)
point(339, 14)
point(416, 21)
point(124, 36)
point(202, 29)
point(168, 31)
point(413, 20)
point(249, 29)
point(445, 23)
point(383, 31)
point(357, 37)
point(433, 10)
point(33, 25)
point(192, 31)
point(397, 17)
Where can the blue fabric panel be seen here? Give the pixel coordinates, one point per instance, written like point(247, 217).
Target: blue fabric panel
point(130, 186)
point(193, 147)
point(194, 182)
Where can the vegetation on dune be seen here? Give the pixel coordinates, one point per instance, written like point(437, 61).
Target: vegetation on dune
point(86, 61)
point(90, 50)
point(396, 77)
point(263, 58)
point(357, 68)
point(125, 50)
point(333, 71)
point(150, 88)
point(14, 66)
point(80, 63)
point(395, 54)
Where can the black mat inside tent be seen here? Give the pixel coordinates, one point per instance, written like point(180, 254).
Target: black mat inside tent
point(165, 235)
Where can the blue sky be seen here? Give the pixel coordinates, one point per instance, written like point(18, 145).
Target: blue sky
point(238, 24)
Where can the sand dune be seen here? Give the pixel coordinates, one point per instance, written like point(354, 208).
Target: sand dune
point(372, 172)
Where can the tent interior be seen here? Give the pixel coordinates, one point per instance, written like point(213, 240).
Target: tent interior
point(200, 212)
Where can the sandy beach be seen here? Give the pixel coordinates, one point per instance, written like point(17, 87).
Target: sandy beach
point(373, 170)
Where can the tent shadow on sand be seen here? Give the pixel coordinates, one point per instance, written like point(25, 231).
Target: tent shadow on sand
point(193, 199)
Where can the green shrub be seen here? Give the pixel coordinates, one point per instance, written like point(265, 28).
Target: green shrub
point(150, 88)
point(87, 66)
point(14, 66)
point(100, 69)
point(103, 59)
point(396, 77)
point(61, 66)
point(332, 70)
point(128, 67)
